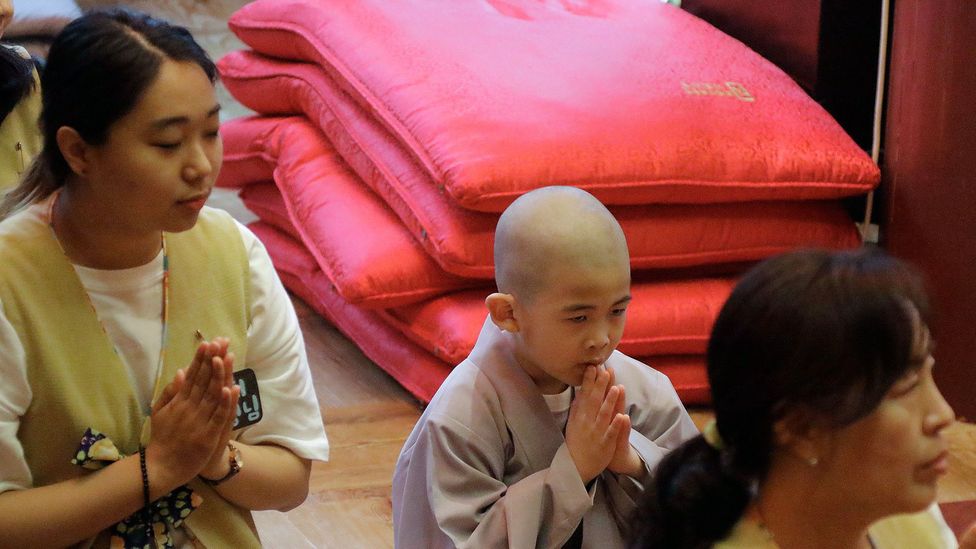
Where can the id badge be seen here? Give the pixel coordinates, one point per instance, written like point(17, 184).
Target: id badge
point(249, 409)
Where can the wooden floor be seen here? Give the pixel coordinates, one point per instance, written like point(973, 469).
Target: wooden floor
point(368, 416)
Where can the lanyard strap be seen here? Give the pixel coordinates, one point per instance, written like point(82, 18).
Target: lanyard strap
point(165, 300)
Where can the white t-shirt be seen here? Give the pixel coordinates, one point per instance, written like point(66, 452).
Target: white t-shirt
point(128, 302)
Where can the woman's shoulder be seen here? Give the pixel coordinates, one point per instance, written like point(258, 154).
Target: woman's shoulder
point(18, 50)
point(924, 530)
point(30, 216)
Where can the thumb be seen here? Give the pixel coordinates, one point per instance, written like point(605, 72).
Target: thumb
point(623, 434)
point(170, 391)
point(968, 539)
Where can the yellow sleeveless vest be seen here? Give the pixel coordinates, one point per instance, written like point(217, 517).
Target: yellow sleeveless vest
point(912, 531)
point(76, 377)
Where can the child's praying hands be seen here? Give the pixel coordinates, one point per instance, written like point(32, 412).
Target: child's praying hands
point(595, 426)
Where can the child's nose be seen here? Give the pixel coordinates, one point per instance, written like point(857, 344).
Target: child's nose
point(598, 340)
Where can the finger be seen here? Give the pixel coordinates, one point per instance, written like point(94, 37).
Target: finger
point(589, 375)
point(229, 370)
point(623, 435)
point(170, 391)
point(217, 378)
point(204, 374)
point(607, 409)
point(620, 424)
point(223, 413)
point(612, 381)
point(968, 539)
point(621, 399)
point(599, 392)
point(222, 344)
point(194, 368)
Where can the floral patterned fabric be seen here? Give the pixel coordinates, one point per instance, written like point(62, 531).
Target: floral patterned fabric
point(168, 512)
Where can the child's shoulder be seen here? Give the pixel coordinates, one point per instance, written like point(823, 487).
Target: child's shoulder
point(467, 404)
point(624, 365)
point(465, 388)
point(643, 381)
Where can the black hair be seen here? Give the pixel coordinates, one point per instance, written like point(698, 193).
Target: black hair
point(825, 334)
point(16, 79)
point(97, 70)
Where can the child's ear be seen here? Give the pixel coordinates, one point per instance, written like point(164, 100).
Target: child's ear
point(501, 307)
point(73, 148)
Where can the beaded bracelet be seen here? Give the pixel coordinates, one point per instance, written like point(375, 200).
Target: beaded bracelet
point(145, 497)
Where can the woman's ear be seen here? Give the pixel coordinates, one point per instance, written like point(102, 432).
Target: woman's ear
point(74, 149)
point(501, 307)
point(802, 436)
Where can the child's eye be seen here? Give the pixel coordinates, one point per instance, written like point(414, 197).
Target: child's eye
point(167, 146)
point(213, 135)
point(578, 319)
point(619, 312)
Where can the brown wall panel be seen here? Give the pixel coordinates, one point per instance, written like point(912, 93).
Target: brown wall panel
point(929, 174)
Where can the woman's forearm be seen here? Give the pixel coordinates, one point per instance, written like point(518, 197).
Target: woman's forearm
point(74, 510)
point(272, 478)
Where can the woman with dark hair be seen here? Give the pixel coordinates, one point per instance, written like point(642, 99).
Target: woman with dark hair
point(828, 424)
point(20, 106)
point(142, 334)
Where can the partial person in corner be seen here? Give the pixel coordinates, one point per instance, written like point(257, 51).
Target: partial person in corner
point(543, 436)
point(128, 309)
point(829, 426)
point(20, 107)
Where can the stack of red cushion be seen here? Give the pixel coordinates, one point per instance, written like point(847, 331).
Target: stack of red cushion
point(392, 133)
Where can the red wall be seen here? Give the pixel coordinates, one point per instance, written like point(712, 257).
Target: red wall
point(929, 175)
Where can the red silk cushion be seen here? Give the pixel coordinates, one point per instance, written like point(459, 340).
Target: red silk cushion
point(356, 240)
point(635, 101)
point(665, 318)
point(419, 371)
point(245, 159)
point(461, 241)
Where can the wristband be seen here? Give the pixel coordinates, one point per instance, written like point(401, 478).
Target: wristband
point(145, 496)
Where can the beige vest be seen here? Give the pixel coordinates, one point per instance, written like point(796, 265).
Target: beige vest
point(913, 531)
point(77, 379)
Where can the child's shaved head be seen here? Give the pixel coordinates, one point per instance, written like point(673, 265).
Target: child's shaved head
point(553, 226)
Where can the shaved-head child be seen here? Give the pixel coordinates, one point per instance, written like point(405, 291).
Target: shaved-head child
point(543, 435)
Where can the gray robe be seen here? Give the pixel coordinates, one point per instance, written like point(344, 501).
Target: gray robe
point(487, 465)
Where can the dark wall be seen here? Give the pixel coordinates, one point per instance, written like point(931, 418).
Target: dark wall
point(830, 47)
point(929, 174)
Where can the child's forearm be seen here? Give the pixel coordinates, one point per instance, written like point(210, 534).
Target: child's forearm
point(65, 513)
point(272, 478)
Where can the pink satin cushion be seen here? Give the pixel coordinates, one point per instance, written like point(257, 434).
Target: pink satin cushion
point(419, 371)
point(670, 317)
point(357, 241)
point(461, 241)
point(633, 100)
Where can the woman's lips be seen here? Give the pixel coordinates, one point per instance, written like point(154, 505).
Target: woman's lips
point(939, 465)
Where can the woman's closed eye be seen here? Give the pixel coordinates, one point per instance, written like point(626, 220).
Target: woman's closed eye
point(906, 384)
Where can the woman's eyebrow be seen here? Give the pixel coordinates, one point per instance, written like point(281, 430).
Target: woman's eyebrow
point(176, 120)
